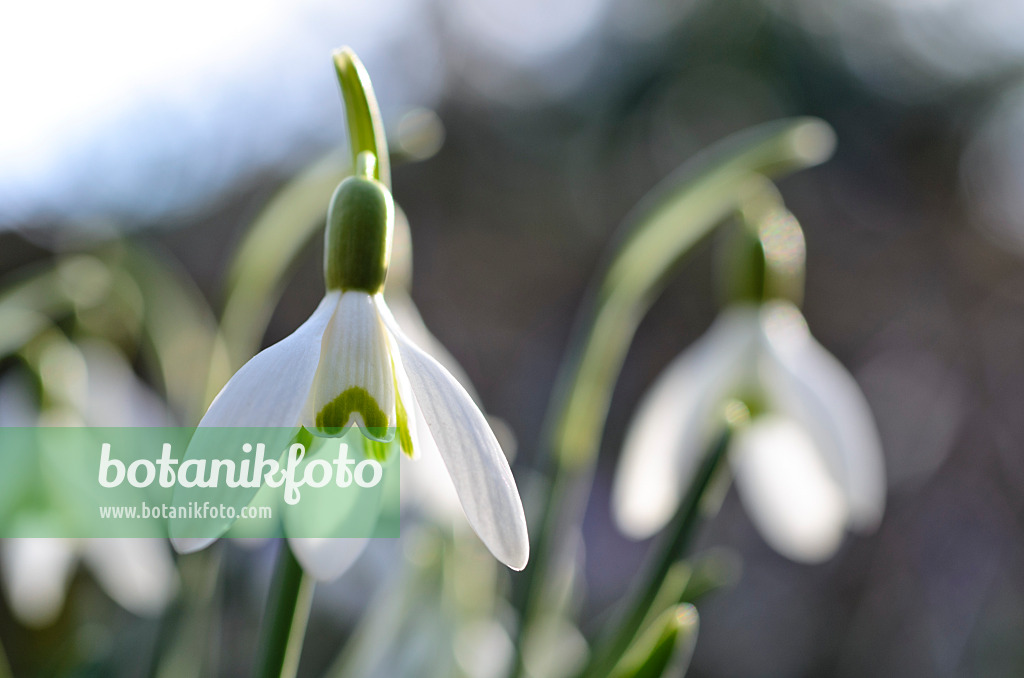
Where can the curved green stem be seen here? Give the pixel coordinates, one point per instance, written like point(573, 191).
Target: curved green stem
point(365, 129)
point(677, 540)
point(284, 625)
point(662, 230)
point(676, 215)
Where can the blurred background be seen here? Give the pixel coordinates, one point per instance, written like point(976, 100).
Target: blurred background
point(524, 132)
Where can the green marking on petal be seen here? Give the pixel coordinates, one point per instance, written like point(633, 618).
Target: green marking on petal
point(336, 414)
point(404, 437)
point(304, 438)
point(375, 449)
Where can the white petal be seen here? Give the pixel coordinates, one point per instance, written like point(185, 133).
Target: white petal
point(477, 466)
point(271, 389)
point(117, 397)
point(427, 485)
point(425, 480)
point(138, 573)
point(789, 493)
point(805, 382)
point(355, 363)
point(483, 648)
point(326, 559)
point(36, 572)
point(408, 317)
point(191, 544)
point(670, 430)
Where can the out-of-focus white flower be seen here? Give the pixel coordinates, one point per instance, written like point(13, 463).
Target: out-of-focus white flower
point(807, 466)
point(88, 384)
point(350, 364)
point(137, 573)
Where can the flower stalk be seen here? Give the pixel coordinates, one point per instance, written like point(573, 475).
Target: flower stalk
point(365, 127)
point(673, 547)
point(284, 626)
point(5, 667)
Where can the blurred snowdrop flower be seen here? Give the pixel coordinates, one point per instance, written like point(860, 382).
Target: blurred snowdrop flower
point(350, 364)
point(809, 464)
point(137, 573)
point(86, 384)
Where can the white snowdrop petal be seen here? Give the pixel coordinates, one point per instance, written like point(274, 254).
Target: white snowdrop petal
point(36, 572)
point(191, 544)
point(787, 490)
point(670, 430)
point(425, 480)
point(271, 389)
point(807, 383)
point(427, 486)
point(326, 558)
point(408, 317)
point(477, 466)
point(138, 573)
point(354, 382)
point(117, 397)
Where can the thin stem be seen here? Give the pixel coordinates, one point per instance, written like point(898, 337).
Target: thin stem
point(5, 666)
point(189, 632)
point(675, 544)
point(284, 625)
point(365, 129)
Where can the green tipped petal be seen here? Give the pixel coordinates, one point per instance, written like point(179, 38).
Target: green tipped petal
point(355, 379)
point(376, 449)
point(354, 400)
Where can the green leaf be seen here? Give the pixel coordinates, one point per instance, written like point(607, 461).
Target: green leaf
point(664, 648)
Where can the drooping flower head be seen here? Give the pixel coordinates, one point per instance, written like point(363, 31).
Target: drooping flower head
point(351, 365)
point(809, 464)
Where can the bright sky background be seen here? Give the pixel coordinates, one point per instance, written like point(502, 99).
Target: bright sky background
point(131, 108)
point(137, 110)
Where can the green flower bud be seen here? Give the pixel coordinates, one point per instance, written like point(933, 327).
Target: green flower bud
point(360, 222)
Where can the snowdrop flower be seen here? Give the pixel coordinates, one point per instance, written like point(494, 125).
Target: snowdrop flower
point(808, 465)
point(350, 364)
point(88, 384)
